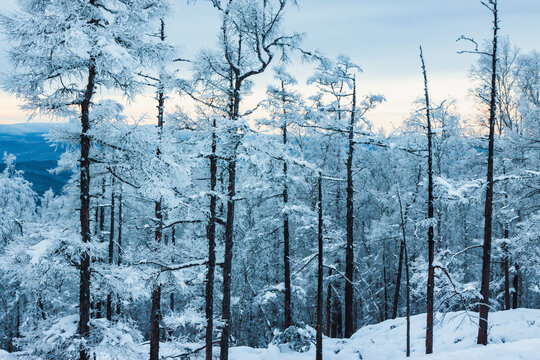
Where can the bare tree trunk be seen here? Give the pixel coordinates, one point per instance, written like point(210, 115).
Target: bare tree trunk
point(486, 258)
point(398, 282)
point(119, 260)
point(111, 252)
point(84, 287)
point(155, 312)
point(329, 305)
point(349, 255)
point(408, 291)
point(319, 344)
point(211, 236)
point(403, 252)
point(515, 283)
point(229, 231)
point(506, 275)
point(286, 237)
point(385, 285)
point(431, 245)
point(98, 302)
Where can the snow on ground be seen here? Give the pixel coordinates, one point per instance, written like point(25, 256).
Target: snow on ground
point(513, 334)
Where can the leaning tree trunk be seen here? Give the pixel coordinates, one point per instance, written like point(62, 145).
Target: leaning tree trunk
point(211, 236)
point(431, 245)
point(486, 258)
point(319, 344)
point(155, 311)
point(84, 285)
point(349, 255)
point(398, 281)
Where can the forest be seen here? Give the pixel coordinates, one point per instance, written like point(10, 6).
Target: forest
point(292, 225)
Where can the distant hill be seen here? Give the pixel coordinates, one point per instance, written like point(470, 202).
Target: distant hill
point(35, 155)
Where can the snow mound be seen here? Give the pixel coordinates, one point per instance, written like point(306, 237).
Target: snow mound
point(513, 334)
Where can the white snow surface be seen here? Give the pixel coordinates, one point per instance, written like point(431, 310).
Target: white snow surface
point(513, 334)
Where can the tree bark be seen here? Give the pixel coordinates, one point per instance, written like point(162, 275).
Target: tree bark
point(286, 246)
point(506, 274)
point(403, 252)
point(111, 252)
point(431, 245)
point(349, 252)
point(398, 282)
point(119, 255)
point(155, 312)
point(515, 284)
point(385, 285)
point(329, 305)
point(84, 215)
point(211, 237)
point(229, 228)
point(486, 258)
point(319, 344)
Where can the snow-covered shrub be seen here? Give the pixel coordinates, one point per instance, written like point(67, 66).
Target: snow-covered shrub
point(297, 338)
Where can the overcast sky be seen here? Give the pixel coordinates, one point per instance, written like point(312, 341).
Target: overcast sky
point(381, 36)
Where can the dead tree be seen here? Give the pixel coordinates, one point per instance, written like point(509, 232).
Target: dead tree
point(431, 245)
point(488, 212)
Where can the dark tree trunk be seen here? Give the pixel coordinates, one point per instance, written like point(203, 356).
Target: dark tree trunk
point(111, 253)
point(84, 285)
point(211, 236)
point(349, 255)
point(486, 258)
point(229, 229)
point(41, 309)
point(155, 312)
point(154, 323)
point(398, 282)
point(98, 302)
point(515, 283)
point(286, 246)
point(385, 285)
point(319, 344)
point(329, 305)
point(403, 252)
point(408, 291)
point(119, 260)
point(227, 265)
point(431, 245)
point(171, 302)
point(506, 275)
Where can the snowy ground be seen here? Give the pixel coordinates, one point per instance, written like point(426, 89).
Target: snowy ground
point(513, 334)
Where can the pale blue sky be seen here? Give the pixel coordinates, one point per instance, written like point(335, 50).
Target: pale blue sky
point(382, 36)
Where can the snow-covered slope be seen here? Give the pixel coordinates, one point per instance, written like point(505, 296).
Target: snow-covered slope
point(513, 334)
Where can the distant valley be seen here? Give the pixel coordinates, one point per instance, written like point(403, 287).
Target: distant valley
point(35, 155)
